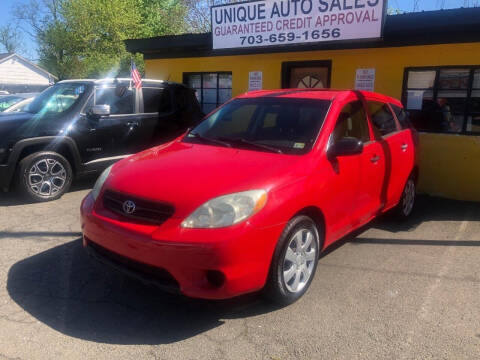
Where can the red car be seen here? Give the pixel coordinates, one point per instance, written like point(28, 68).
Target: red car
point(250, 198)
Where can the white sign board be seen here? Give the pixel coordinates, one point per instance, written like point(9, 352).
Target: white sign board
point(365, 79)
point(281, 22)
point(415, 99)
point(255, 80)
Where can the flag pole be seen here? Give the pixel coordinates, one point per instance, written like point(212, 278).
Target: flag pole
point(131, 68)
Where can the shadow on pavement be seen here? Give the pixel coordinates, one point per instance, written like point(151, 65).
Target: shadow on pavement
point(429, 208)
point(73, 294)
point(24, 234)
point(68, 291)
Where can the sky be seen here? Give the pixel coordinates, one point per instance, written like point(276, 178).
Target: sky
point(405, 5)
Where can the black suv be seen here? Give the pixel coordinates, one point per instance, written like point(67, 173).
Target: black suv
point(79, 127)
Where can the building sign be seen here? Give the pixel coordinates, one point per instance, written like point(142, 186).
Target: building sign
point(365, 79)
point(255, 80)
point(281, 22)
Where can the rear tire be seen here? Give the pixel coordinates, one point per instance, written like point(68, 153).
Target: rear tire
point(405, 207)
point(294, 261)
point(43, 176)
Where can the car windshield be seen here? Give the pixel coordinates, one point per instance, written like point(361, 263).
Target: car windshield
point(281, 125)
point(58, 98)
point(8, 101)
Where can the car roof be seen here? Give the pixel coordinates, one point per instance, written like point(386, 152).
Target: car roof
point(23, 95)
point(321, 94)
point(113, 80)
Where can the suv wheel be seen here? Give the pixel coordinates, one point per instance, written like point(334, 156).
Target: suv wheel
point(295, 261)
point(44, 176)
point(407, 201)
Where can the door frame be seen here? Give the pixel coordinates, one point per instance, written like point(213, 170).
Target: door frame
point(288, 65)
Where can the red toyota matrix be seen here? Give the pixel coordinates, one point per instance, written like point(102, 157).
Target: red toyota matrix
point(250, 198)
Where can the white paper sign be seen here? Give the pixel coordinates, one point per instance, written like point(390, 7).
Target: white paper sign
point(415, 99)
point(281, 22)
point(365, 79)
point(255, 80)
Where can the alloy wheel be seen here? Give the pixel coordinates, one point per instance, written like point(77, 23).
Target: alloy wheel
point(408, 197)
point(47, 177)
point(299, 260)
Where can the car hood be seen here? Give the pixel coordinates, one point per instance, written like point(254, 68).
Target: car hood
point(11, 125)
point(187, 175)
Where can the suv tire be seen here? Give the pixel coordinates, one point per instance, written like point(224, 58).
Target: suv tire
point(294, 261)
point(43, 176)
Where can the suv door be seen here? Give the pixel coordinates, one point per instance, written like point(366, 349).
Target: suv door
point(399, 151)
point(124, 122)
point(158, 118)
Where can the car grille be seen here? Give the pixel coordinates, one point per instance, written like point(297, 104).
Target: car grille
point(145, 211)
point(145, 273)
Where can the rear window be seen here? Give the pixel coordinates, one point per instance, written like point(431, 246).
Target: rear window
point(151, 99)
point(382, 118)
point(290, 125)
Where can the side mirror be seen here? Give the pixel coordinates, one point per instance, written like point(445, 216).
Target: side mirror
point(97, 111)
point(345, 147)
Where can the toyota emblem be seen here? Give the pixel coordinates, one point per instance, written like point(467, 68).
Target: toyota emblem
point(129, 207)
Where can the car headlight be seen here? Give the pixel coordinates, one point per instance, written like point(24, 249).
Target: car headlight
point(227, 210)
point(100, 181)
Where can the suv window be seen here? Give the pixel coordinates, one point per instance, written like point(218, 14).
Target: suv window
point(402, 116)
point(382, 118)
point(151, 99)
point(121, 99)
point(165, 102)
point(352, 123)
point(181, 99)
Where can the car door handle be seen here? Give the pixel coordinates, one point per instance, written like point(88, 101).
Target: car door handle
point(375, 159)
point(404, 147)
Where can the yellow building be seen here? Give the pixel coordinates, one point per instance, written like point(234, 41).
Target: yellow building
point(429, 60)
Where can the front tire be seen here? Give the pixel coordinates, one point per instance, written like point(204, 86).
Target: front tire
point(43, 176)
point(294, 262)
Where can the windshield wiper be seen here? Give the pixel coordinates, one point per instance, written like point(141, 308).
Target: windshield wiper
point(254, 144)
point(210, 140)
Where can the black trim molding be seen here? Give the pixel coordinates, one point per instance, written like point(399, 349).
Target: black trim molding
point(424, 28)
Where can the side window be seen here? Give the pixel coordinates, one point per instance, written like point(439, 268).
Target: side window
point(151, 99)
point(352, 123)
point(181, 99)
point(212, 89)
point(382, 118)
point(166, 102)
point(402, 116)
point(121, 99)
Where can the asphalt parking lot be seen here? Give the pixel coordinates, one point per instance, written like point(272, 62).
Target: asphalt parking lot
point(409, 291)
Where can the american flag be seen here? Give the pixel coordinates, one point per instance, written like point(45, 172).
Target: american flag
point(137, 79)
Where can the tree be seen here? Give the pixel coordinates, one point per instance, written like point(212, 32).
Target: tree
point(198, 15)
point(10, 38)
point(85, 38)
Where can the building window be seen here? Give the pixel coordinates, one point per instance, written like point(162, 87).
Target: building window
point(212, 89)
point(443, 99)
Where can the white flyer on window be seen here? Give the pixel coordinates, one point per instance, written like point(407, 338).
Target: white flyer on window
point(365, 79)
point(415, 99)
point(255, 80)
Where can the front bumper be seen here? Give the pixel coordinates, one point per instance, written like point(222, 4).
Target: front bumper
point(203, 263)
